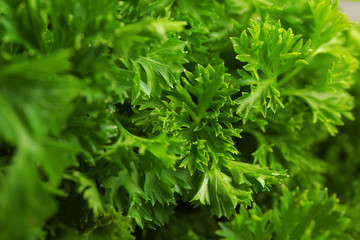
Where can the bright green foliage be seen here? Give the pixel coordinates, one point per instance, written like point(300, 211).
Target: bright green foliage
point(298, 215)
point(199, 114)
point(270, 49)
point(328, 21)
point(161, 66)
point(156, 119)
point(347, 146)
point(268, 52)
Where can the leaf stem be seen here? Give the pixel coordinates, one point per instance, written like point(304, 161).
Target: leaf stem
point(290, 76)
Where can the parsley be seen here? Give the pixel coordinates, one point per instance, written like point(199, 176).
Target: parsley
point(164, 119)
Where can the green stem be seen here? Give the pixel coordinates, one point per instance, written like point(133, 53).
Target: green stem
point(290, 76)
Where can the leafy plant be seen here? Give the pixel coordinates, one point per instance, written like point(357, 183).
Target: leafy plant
point(297, 216)
point(177, 119)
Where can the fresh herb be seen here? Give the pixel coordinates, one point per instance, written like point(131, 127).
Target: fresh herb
point(164, 119)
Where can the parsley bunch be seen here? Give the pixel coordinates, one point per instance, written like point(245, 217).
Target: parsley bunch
point(178, 119)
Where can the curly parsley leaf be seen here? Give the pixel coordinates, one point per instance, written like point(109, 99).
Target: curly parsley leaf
point(268, 52)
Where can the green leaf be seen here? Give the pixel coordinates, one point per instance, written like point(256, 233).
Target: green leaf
point(328, 21)
point(130, 183)
point(24, 200)
point(89, 190)
point(256, 177)
point(217, 191)
point(131, 38)
point(269, 51)
point(201, 13)
point(158, 190)
point(161, 67)
point(163, 64)
point(328, 99)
